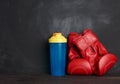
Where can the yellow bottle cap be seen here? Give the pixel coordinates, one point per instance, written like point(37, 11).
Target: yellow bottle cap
point(57, 38)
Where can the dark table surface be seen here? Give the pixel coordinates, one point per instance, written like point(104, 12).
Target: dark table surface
point(48, 79)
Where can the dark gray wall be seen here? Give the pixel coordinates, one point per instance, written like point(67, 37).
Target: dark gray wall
point(26, 25)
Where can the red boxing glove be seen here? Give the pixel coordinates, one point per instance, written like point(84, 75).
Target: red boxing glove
point(76, 65)
point(90, 47)
point(94, 53)
point(73, 52)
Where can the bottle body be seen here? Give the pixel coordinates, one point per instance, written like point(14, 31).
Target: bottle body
point(58, 59)
point(58, 45)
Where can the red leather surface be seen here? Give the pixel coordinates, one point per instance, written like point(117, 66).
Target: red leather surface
point(87, 55)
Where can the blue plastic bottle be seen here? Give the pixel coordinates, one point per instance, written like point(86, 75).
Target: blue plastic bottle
point(58, 44)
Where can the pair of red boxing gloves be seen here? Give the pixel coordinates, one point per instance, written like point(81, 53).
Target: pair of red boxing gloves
point(87, 55)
